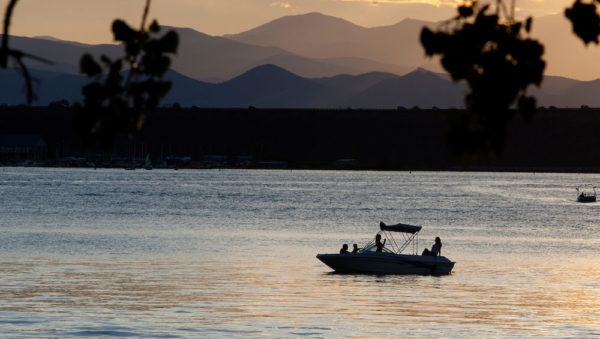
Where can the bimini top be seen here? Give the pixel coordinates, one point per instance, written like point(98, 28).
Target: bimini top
point(404, 228)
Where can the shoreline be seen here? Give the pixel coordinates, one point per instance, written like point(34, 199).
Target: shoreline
point(258, 168)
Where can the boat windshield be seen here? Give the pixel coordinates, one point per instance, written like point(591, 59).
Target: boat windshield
point(586, 190)
point(373, 248)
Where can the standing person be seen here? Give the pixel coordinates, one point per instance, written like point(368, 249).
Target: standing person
point(378, 242)
point(436, 249)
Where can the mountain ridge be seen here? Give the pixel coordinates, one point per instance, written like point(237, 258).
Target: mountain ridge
point(329, 37)
point(270, 86)
point(312, 51)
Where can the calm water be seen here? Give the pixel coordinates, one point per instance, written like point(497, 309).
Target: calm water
point(168, 254)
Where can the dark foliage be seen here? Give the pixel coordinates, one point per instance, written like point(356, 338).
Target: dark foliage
point(497, 63)
point(117, 101)
point(585, 20)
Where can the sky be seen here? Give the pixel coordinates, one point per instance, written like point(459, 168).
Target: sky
point(89, 20)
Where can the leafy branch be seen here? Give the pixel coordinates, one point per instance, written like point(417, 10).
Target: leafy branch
point(585, 20)
point(7, 54)
point(115, 105)
point(498, 63)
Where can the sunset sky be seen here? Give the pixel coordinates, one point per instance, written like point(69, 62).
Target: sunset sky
point(89, 20)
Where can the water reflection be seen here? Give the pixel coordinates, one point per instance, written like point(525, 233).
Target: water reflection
point(232, 253)
point(279, 297)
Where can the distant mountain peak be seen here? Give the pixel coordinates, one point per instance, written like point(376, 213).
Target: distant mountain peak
point(422, 70)
point(268, 68)
point(312, 15)
point(186, 31)
point(266, 72)
point(316, 22)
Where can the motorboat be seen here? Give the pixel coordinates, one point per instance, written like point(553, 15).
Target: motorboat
point(390, 260)
point(586, 193)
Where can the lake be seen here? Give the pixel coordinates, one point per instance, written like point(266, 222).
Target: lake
point(221, 253)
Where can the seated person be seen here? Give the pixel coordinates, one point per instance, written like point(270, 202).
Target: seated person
point(355, 249)
point(436, 249)
point(344, 249)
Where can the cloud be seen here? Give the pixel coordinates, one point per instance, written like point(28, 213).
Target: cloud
point(281, 4)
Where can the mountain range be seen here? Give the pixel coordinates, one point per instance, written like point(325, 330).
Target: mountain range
point(316, 35)
point(320, 36)
point(269, 86)
point(315, 45)
point(211, 58)
point(307, 61)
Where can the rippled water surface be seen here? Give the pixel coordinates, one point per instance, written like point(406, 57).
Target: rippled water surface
point(168, 254)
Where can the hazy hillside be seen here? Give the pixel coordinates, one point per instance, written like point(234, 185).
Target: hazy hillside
point(204, 57)
point(48, 86)
point(315, 45)
point(583, 93)
point(217, 59)
point(419, 88)
point(64, 55)
point(53, 86)
point(355, 84)
point(269, 86)
point(319, 36)
point(266, 86)
point(185, 90)
point(566, 54)
point(314, 68)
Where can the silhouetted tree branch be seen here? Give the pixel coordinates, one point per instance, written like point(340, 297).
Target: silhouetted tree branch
point(489, 52)
point(7, 54)
point(112, 105)
point(115, 106)
point(585, 20)
point(145, 15)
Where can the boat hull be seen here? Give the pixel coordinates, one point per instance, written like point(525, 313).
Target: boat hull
point(387, 263)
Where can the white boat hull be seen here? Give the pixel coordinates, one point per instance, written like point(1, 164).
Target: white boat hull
point(387, 263)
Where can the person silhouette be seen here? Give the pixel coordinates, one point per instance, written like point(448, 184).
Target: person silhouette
point(378, 242)
point(436, 249)
point(355, 249)
point(344, 249)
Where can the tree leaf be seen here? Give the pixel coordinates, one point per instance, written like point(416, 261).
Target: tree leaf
point(122, 31)
point(585, 20)
point(88, 66)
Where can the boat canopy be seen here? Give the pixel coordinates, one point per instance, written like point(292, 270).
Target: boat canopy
point(403, 228)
